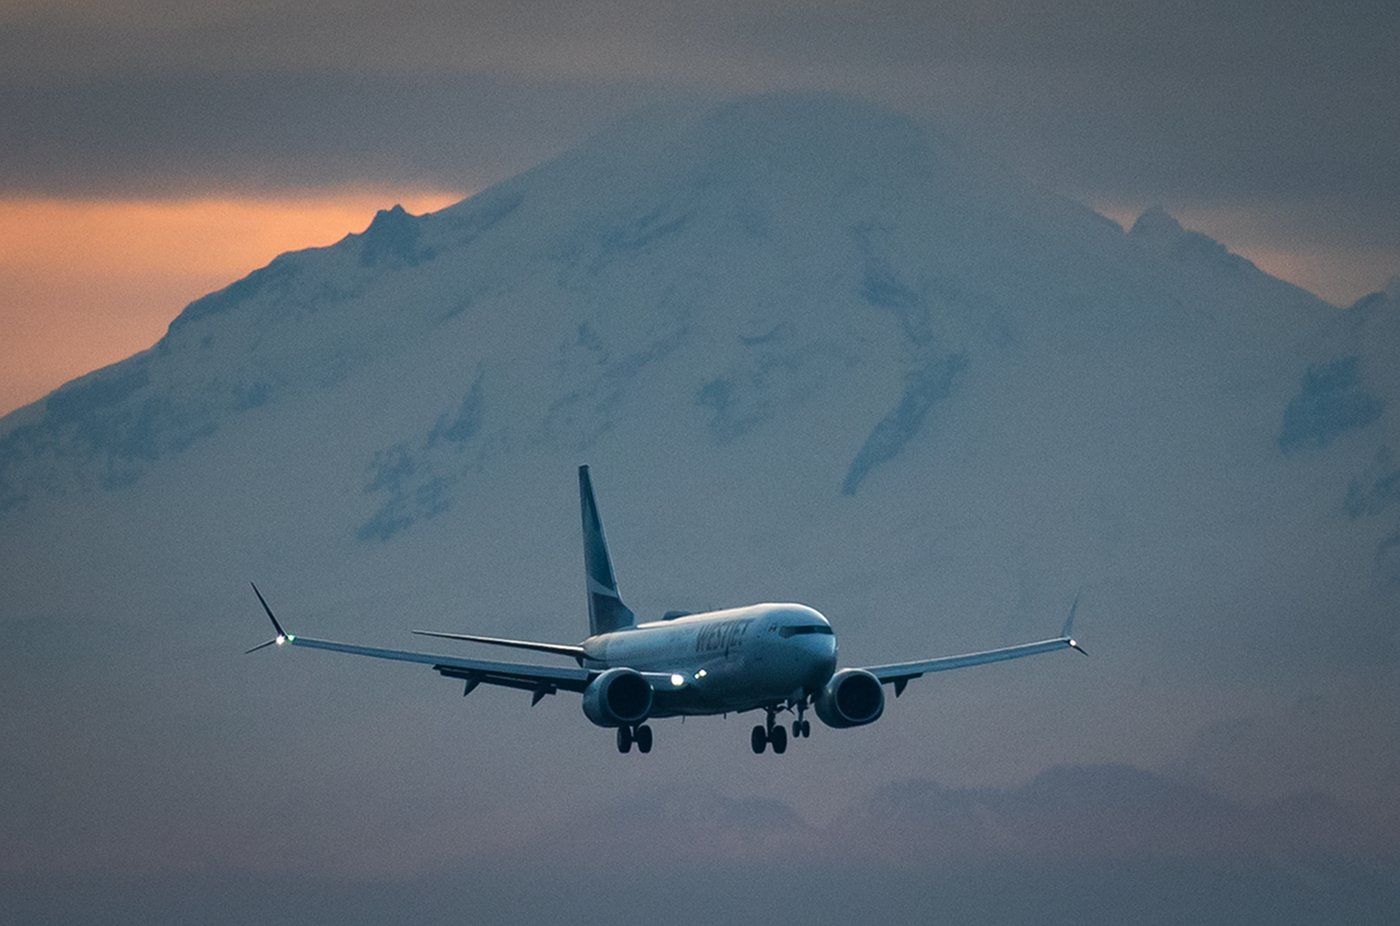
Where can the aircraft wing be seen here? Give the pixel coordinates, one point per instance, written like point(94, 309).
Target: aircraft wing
point(901, 673)
point(541, 680)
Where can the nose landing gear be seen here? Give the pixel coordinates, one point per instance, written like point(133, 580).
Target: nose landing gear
point(801, 727)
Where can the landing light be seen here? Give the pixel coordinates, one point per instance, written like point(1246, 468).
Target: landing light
point(281, 639)
point(677, 680)
point(701, 674)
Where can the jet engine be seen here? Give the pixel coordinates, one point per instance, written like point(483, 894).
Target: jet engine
point(852, 698)
point(617, 698)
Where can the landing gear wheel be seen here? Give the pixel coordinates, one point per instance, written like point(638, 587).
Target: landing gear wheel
point(643, 737)
point(801, 727)
point(778, 737)
point(624, 739)
point(758, 739)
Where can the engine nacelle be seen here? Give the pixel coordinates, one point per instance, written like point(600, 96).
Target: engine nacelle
point(852, 698)
point(617, 698)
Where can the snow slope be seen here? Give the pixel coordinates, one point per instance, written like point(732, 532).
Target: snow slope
point(813, 350)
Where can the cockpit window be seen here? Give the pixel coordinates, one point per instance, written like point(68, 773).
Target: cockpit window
point(807, 628)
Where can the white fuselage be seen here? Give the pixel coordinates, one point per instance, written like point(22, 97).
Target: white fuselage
point(731, 660)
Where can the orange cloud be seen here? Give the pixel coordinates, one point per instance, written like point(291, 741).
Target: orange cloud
point(86, 283)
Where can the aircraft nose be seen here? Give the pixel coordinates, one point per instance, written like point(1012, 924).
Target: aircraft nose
point(821, 650)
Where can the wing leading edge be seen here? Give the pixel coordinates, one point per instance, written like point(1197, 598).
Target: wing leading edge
point(900, 674)
point(541, 680)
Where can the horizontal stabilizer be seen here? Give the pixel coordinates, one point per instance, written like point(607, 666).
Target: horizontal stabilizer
point(559, 649)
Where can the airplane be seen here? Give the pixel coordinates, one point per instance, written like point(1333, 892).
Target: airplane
point(777, 657)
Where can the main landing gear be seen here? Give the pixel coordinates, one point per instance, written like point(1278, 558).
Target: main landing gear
point(772, 733)
point(766, 734)
point(640, 734)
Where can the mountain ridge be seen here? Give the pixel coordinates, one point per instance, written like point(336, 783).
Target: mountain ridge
point(745, 151)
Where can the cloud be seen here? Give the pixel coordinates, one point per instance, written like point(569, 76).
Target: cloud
point(1130, 99)
point(1095, 844)
point(1286, 116)
point(1103, 814)
point(1321, 736)
point(181, 134)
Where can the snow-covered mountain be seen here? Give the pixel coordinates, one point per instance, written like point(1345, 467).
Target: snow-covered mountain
point(813, 350)
point(848, 304)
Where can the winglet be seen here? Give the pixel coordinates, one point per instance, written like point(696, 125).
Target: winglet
point(282, 635)
point(1066, 630)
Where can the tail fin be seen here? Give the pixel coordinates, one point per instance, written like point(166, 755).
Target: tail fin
point(606, 612)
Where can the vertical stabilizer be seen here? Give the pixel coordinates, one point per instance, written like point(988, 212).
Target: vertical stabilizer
point(606, 612)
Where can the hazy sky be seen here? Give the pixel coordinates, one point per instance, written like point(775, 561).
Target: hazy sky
point(1271, 126)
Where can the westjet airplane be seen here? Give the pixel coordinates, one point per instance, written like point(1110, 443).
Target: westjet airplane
point(769, 657)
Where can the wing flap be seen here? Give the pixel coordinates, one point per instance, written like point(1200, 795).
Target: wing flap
point(899, 674)
point(897, 671)
point(482, 671)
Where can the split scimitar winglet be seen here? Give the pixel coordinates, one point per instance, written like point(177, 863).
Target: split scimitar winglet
point(1067, 630)
point(282, 635)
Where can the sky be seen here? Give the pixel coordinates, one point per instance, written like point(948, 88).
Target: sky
point(154, 151)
